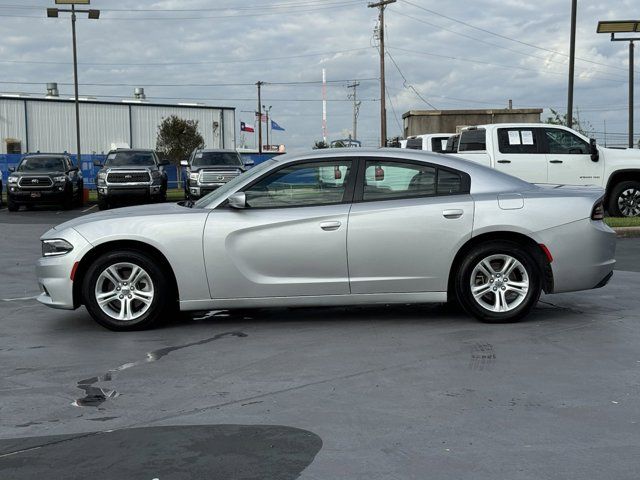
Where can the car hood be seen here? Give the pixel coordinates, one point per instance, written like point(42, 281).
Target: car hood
point(129, 168)
point(163, 209)
point(35, 174)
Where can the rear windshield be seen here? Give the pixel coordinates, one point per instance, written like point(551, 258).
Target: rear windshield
point(414, 143)
point(126, 159)
point(473, 141)
point(42, 164)
point(212, 159)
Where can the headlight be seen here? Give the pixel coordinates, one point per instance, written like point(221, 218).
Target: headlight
point(102, 177)
point(56, 246)
point(155, 174)
point(60, 179)
point(194, 176)
point(13, 180)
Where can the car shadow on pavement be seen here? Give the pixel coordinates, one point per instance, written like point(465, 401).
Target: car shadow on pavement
point(241, 452)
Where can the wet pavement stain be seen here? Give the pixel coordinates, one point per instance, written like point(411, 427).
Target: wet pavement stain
point(96, 396)
point(483, 356)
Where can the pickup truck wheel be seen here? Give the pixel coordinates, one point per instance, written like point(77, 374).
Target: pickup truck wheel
point(12, 206)
point(127, 290)
point(498, 282)
point(103, 204)
point(80, 199)
point(624, 200)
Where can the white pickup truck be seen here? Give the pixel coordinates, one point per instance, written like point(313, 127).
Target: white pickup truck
point(542, 153)
point(430, 142)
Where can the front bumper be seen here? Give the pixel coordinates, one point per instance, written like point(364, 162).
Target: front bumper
point(54, 273)
point(137, 191)
point(56, 195)
point(583, 255)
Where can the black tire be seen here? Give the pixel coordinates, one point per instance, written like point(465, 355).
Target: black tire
point(626, 194)
point(80, 199)
point(103, 204)
point(499, 248)
point(67, 204)
point(12, 206)
point(164, 301)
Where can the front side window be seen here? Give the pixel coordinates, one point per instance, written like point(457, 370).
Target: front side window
point(563, 142)
point(518, 140)
point(42, 164)
point(306, 184)
point(473, 141)
point(129, 159)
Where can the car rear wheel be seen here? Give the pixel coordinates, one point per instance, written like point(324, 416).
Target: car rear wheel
point(127, 290)
point(624, 200)
point(498, 282)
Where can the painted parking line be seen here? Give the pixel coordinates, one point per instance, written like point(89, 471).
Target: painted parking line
point(19, 299)
point(90, 208)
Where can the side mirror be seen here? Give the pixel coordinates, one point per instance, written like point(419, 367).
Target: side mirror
point(595, 154)
point(379, 174)
point(96, 163)
point(337, 174)
point(12, 169)
point(184, 163)
point(73, 169)
point(238, 200)
point(249, 162)
point(163, 163)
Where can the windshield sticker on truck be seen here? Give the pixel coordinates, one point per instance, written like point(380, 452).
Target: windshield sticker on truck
point(444, 144)
point(514, 137)
point(527, 137)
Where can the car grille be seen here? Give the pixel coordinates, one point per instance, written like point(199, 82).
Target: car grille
point(218, 176)
point(35, 182)
point(128, 177)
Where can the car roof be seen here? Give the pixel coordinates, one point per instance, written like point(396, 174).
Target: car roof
point(59, 155)
point(150, 150)
point(221, 150)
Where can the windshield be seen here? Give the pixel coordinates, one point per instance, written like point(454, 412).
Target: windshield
point(128, 159)
point(212, 159)
point(231, 185)
point(42, 164)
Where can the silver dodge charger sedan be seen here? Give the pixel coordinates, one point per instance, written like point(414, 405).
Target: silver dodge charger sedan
point(335, 227)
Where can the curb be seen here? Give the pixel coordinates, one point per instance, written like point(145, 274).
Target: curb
point(627, 232)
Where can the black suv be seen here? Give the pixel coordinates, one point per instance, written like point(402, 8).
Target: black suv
point(130, 175)
point(44, 179)
point(209, 169)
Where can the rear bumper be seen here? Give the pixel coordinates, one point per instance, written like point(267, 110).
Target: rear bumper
point(583, 255)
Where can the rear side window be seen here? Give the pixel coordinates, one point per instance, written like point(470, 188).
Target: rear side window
point(414, 143)
point(449, 183)
point(439, 144)
point(518, 140)
point(473, 141)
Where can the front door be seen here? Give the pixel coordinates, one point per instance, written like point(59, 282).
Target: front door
point(289, 241)
point(569, 158)
point(408, 222)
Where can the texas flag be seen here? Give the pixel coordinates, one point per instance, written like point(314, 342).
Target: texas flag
point(246, 128)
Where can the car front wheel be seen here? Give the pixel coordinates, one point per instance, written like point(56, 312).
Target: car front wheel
point(127, 290)
point(498, 282)
point(625, 200)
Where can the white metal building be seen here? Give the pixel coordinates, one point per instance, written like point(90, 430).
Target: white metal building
point(47, 124)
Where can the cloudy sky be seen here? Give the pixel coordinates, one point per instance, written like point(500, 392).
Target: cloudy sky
point(443, 54)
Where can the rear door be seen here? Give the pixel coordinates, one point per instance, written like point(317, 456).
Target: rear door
point(569, 159)
point(289, 241)
point(519, 152)
point(407, 221)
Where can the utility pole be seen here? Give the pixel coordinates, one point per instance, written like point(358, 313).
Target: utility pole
point(381, 5)
point(259, 115)
point(631, 80)
point(356, 107)
point(268, 111)
point(572, 62)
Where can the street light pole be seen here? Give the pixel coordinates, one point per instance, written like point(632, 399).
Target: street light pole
point(259, 115)
point(93, 15)
point(631, 93)
point(75, 83)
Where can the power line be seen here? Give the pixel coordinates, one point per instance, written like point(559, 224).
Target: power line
point(291, 83)
point(496, 45)
point(406, 83)
point(505, 37)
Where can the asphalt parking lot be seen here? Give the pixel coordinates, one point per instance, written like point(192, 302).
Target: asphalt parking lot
point(360, 393)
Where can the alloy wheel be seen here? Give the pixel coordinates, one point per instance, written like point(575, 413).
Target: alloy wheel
point(499, 283)
point(124, 291)
point(629, 202)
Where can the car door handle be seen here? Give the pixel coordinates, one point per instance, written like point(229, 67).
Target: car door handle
point(504, 161)
point(453, 213)
point(555, 161)
point(330, 226)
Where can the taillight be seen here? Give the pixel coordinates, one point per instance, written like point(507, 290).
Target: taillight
point(598, 211)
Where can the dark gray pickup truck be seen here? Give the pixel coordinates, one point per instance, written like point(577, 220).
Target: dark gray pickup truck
point(131, 176)
point(209, 169)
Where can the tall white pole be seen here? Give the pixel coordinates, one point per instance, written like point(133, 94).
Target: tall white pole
point(324, 105)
